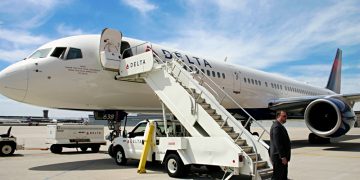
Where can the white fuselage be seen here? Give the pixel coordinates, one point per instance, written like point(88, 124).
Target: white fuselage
point(82, 84)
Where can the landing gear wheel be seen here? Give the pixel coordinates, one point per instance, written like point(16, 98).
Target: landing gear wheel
point(120, 157)
point(175, 167)
point(7, 149)
point(95, 149)
point(315, 139)
point(83, 149)
point(56, 149)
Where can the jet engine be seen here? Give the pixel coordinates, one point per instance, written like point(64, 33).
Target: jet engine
point(329, 117)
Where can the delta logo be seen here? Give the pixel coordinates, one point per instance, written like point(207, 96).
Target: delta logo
point(135, 64)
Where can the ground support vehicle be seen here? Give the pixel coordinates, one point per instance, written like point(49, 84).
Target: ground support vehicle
point(75, 136)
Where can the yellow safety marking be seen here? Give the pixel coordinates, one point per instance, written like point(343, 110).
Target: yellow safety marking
point(147, 146)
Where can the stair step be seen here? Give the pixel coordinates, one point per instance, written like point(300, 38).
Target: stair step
point(216, 117)
point(266, 171)
point(247, 149)
point(200, 100)
point(241, 142)
point(261, 164)
point(205, 106)
point(211, 111)
point(233, 135)
point(228, 128)
point(253, 156)
point(220, 122)
point(191, 91)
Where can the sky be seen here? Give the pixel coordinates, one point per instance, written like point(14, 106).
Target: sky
point(296, 39)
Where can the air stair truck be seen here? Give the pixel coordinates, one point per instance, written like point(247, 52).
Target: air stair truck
point(75, 136)
point(213, 136)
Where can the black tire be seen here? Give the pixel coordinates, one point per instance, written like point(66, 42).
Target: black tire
point(56, 149)
point(175, 167)
point(315, 139)
point(111, 151)
point(7, 149)
point(119, 156)
point(213, 168)
point(95, 149)
point(83, 149)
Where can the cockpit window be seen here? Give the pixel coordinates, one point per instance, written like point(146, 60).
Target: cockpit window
point(74, 53)
point(41, 53)
point(58, 52)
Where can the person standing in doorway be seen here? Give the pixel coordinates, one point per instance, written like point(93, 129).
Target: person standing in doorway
point(280, 147)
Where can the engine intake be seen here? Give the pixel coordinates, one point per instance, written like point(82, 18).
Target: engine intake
point(329, 117)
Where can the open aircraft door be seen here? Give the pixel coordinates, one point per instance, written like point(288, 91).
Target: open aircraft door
point(110, 44)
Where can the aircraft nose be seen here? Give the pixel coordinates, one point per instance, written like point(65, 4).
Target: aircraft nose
point(13, 81)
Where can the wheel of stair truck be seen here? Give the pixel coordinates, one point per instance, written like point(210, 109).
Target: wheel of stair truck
point(111, 151)
point(315, 139)
point(7, 149)
point(95, 149)
point(56, 149)
point(83, 149)
point(213, 168)
point(120, 157)
point(175, 167)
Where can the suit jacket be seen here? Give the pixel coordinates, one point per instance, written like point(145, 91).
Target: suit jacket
point(280, 144)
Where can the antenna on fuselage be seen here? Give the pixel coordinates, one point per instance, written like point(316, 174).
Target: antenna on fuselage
point(225, 59)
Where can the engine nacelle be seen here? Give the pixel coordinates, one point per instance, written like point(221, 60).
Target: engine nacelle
point(329, 117)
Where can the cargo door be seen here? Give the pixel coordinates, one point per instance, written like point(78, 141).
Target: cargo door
point(110, 44)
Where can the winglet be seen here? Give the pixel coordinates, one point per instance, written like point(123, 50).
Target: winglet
point(334, 82)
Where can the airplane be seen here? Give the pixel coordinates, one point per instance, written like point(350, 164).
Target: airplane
point(67, 73)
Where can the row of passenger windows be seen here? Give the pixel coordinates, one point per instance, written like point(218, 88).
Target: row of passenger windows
point(59, 52)
point(207, 72)
point(279, 86)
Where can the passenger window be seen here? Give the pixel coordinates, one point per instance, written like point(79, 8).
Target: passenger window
point(208, 72)
point(266, 84)
point(213, 73)
point(218, 74)
point(223, 75)
point(191, 68)
point(74, 53)
point(245, 80)
point(41, 53)
point(59, 52)
point(202, 70)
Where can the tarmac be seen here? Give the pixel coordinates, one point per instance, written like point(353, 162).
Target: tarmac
point(338, 160)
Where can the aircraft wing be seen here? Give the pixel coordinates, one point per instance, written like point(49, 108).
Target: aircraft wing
point(300, 103)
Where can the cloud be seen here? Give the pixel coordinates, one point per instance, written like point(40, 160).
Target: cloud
point(262, 35)
point(18, 44)
point(65, 30)
point(26, 14)
point(318, 74)
point(21, 37)
point(143, 6)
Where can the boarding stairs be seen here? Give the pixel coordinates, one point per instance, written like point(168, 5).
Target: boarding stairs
point(186, 93)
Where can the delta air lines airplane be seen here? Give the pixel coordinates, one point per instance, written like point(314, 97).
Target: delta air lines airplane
point(67, 74)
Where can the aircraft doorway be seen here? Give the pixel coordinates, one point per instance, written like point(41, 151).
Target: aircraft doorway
point(236, 82)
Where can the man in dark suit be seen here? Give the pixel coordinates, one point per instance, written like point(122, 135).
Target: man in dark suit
point(280, 147)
